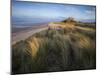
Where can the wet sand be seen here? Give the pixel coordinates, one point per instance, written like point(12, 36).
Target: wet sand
point(27, 32)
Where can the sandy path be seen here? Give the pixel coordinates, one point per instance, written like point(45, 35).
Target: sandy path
point(23, 35)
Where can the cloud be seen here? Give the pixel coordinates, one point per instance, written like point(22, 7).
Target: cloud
point(90, 11)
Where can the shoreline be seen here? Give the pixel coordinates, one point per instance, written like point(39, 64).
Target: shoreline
point(25, 33)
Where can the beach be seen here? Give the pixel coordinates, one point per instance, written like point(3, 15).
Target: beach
point(23, 34)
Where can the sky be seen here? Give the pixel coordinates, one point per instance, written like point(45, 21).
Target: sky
point(34, 12)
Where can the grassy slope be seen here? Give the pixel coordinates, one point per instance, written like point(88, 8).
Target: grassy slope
point(56, 50)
